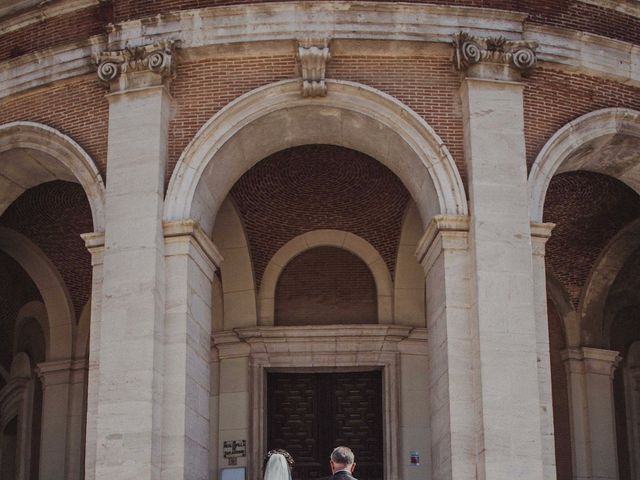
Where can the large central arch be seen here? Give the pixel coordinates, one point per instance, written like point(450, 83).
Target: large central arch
point(276, 116)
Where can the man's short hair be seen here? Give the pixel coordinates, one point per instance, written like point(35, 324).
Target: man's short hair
point(342, 455)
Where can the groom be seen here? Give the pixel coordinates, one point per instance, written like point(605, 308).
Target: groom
point(342, 464)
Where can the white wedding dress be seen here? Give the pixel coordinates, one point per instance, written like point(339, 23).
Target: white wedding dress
point(277, 468)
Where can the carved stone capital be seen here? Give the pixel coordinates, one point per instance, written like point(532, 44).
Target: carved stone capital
point(313, 55)
point(499, 52)
point(156, 62)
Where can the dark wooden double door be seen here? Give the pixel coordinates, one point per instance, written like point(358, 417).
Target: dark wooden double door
point(311, 413)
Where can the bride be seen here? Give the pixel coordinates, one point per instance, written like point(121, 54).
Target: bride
point(278, 465)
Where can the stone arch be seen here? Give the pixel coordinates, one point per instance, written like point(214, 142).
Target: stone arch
point(561, 300)
point(409, 282)
point(35, 310)
point(326, 238)
point(606, 141)
point(276, 116)
point(238, 284)
point(60, 328)
point(81, 342)
point(591, 308)
point(32, 153)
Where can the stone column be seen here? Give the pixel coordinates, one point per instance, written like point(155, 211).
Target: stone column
point(591, 405)
point(131, 364)
point(56, 379)
point(191, 260)
point(443, 251)
point(540, 233)
point(505, 339)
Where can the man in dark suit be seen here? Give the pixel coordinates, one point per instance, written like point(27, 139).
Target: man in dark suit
point(342, 464)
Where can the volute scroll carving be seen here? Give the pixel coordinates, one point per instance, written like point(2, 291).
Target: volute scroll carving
point(470, 50)
point(156, 58)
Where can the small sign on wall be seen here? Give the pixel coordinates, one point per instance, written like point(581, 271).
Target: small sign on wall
point(234, 448)
point(414, 458)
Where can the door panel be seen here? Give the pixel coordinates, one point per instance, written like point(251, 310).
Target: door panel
point(311, 413)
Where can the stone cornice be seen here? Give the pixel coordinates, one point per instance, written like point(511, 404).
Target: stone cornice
point(317, 19)
point(41, 12)
point(203, 31)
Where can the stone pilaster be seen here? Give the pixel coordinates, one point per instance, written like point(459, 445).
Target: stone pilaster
point(55, 378)
point(591, 405)
point(505, 346)
point(443, 252)
point(190, 260)
point(540, 233)
point(94, 242)
point(131, 339)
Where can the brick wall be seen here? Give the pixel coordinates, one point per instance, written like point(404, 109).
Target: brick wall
point(57, 30)
point(319, 186)
point(323, 286)
point(76, 107)
point(561, 419)
point(16, 289)
point(202, 88)
point(53, 215)
point(588, 210)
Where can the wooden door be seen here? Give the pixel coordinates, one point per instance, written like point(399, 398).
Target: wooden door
point(311, 413)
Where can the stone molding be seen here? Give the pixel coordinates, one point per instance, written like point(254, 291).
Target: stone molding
point(322, 345)
point(587, 360)
point(94, 242)
point(203, 31)
point(540, 233)
point(55, 372)
point(313, 55)
point(470, 50)
point(443, 232)
point(117, 67)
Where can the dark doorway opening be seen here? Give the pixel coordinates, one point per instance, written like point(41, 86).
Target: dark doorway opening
point(309, 414)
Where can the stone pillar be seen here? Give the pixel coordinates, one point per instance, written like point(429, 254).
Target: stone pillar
point(63, 389)
point(191, 260)
point(443, 251)
point(56, 379)
point(540, 233)
point(234, 399)
point(505, 338)
point(131, 359)
point(77, 419)
point(95, 244)
point(414, 394)
point(591, 405)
